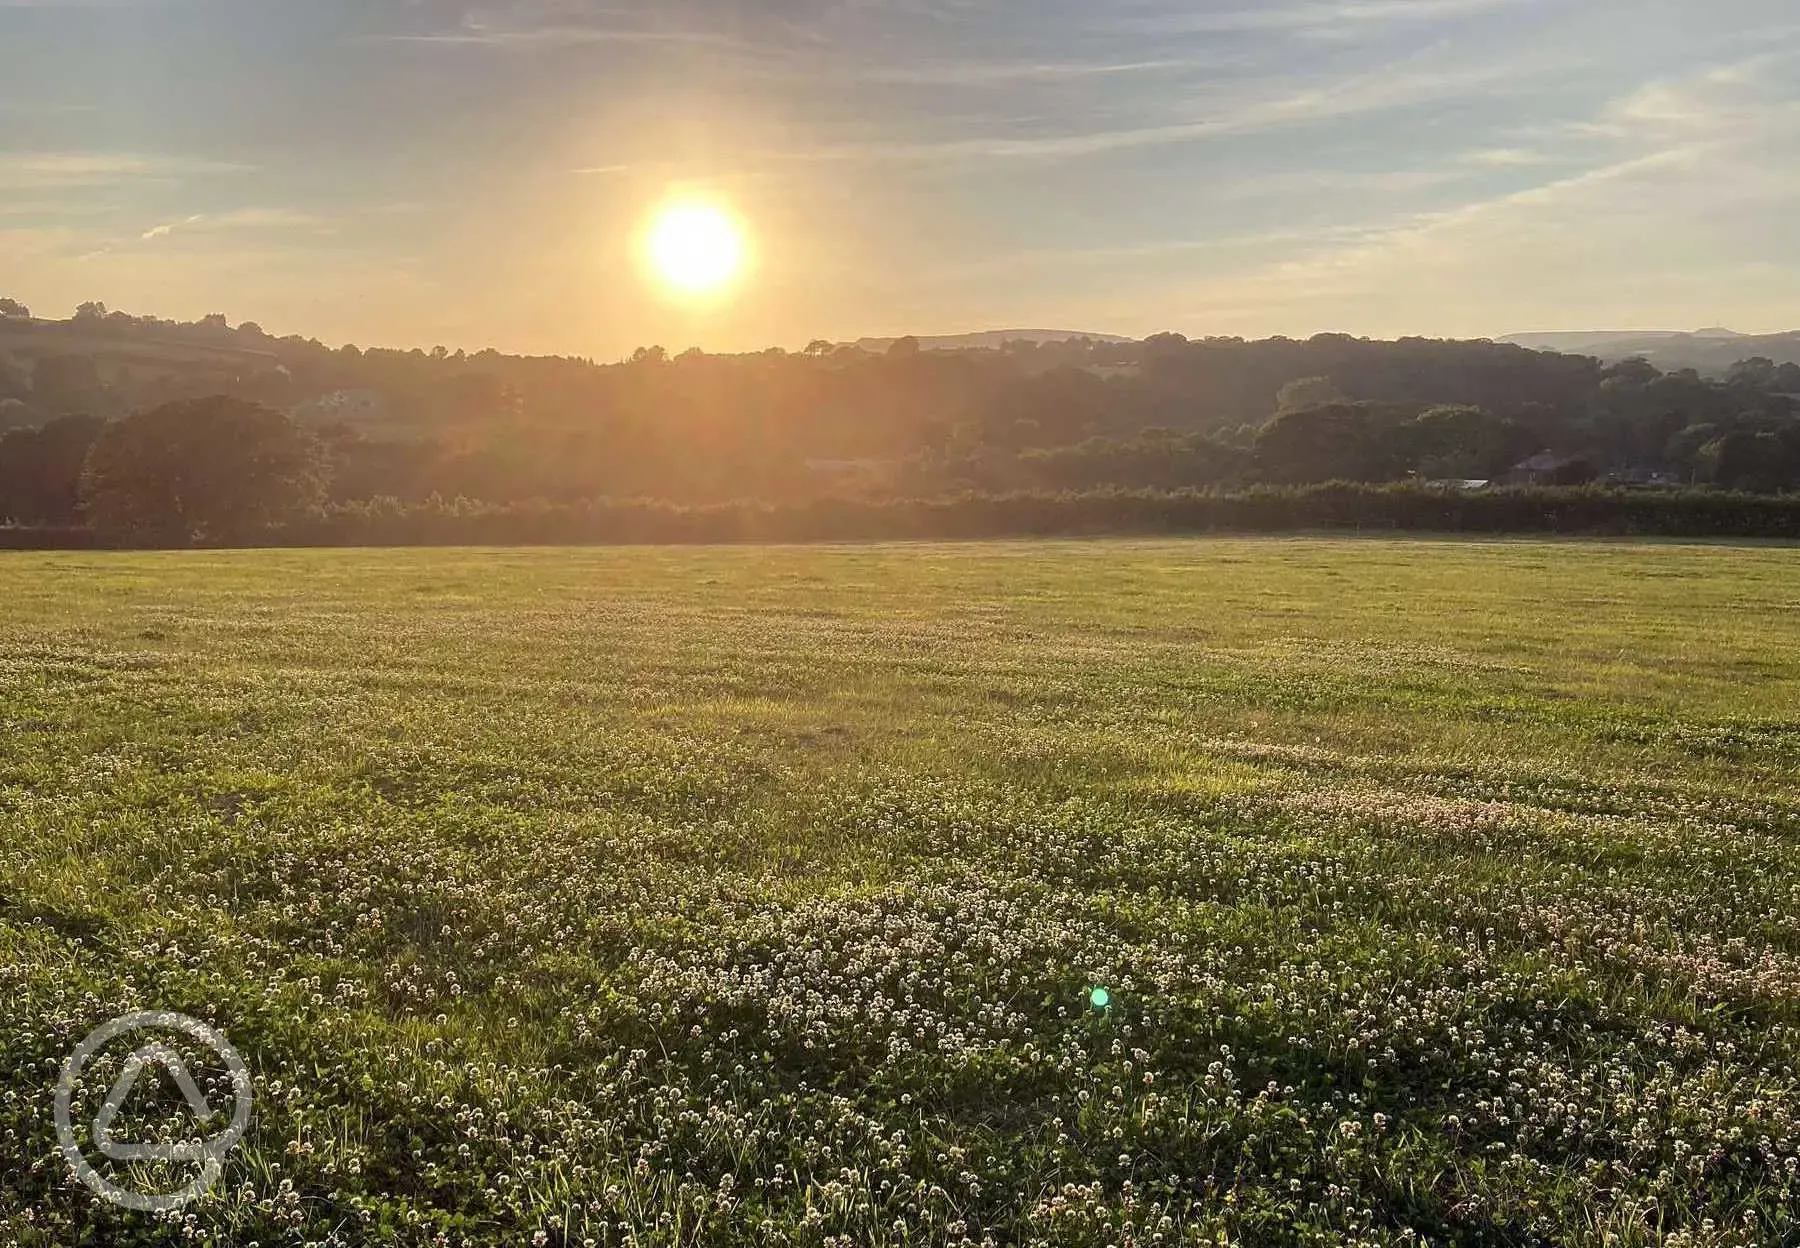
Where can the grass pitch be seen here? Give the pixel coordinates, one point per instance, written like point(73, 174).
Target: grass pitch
point(1435, 892)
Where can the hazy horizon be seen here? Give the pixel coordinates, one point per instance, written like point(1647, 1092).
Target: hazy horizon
point(408, 173)
point(1581, 340)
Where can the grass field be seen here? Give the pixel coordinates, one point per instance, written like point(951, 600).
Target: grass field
point(1443, 892)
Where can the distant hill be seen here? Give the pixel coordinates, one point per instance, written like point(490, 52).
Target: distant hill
point(1710, 351)
point(993, 338)
point(31, 339)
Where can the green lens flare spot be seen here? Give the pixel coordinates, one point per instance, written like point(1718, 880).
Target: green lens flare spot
point(1099, 998)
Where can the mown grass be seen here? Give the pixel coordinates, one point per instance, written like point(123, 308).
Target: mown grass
point(1445, 891)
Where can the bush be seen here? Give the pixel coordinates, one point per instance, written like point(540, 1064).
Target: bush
point(1337, 506)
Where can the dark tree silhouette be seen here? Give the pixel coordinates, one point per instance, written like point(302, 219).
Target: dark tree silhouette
point(1746, 460)
point(1463, 442)
point(1343, 441)
point(836, 421)
point(40, 470)
point(13, 383)
point(205, 469)
point(66, 383)
point(1307, 392)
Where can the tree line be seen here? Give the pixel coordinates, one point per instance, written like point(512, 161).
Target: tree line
point(225, 471)
point(204, 430)
point(1340, 506)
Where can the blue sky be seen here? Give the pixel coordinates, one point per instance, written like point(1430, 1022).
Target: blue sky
point(412, 172)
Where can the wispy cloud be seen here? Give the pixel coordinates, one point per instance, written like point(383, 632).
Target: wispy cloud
point(1207, 165)
point(1002, 73)
point(163, 231)
point(1708, 159)
point(39, 171)
point(1396, 86)
point(1315, 18)
point(42, 108)
point(1508, 157)
point(237, 219)
point(556, 35)
point(1113, 256)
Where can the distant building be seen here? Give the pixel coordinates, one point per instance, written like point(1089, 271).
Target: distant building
point(1549, 468)
point(1639, 474)
point(1461, 486)
point(349, 406)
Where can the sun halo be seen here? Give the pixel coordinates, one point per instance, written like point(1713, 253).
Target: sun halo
point(695, 248)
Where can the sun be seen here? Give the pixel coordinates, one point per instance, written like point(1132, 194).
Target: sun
point(697, 248)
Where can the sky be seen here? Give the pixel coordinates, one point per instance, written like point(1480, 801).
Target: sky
point(417, 172)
